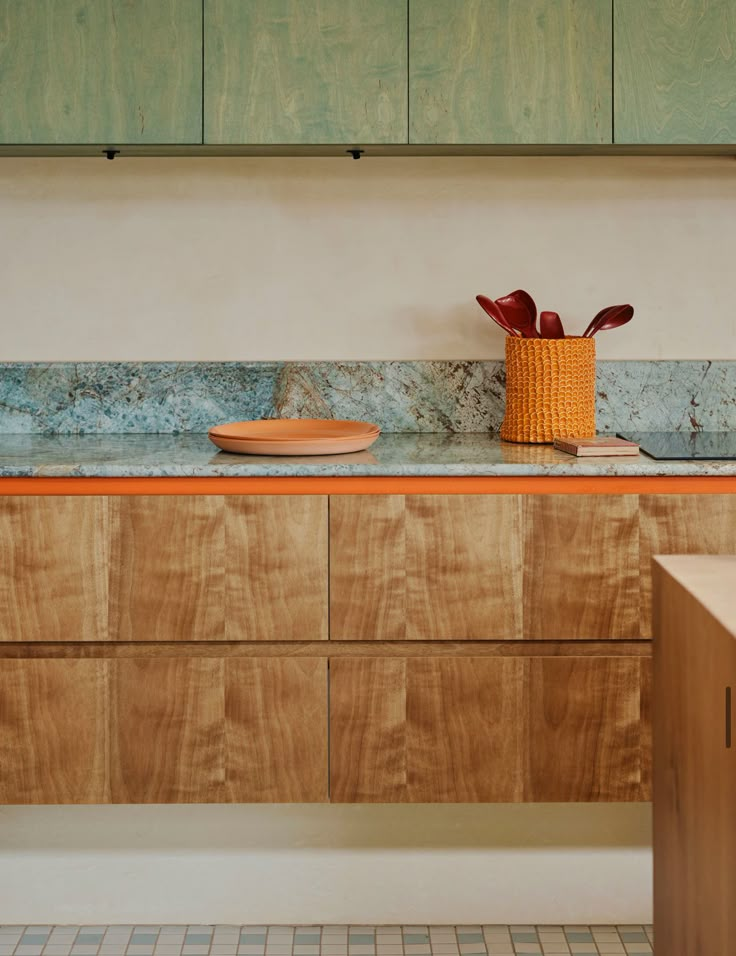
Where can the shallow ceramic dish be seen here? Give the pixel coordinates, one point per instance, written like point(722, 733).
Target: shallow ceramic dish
point(294, 436)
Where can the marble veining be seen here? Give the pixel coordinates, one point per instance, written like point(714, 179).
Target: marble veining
point(396, 454)
point(436, 396)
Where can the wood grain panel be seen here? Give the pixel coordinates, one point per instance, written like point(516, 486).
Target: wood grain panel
point(101, 71)
point(276, 731)
point(368, 732)
point(277, 568)
point(306, 71)
point(53, 731)
point(168, 731)
point(681, 524)
point(581, 567)
point(465, 732)
point(486, 730)
point(694, 772)
point(504, 71)
point(367, 567)
point(167, 570)
point(585, 735)
point(675, 71)
point(463, 567)
point(53, 569)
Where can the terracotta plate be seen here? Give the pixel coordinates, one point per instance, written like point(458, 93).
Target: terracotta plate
point(294, 436)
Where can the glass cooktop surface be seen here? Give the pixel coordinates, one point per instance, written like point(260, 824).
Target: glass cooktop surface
point(664, 446)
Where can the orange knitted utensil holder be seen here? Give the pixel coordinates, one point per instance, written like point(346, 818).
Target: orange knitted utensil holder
point(550, 389)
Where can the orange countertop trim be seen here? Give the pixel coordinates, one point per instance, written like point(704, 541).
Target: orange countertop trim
point(378, 485)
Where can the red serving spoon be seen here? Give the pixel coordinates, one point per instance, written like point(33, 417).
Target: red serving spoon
point(612, 317)
point(550, 326)
point(520, 310)
point(499, 317)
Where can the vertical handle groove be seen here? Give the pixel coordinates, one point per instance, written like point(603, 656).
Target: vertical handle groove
point(728, 718)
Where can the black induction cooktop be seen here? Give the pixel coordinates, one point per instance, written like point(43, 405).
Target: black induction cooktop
point(673, 446)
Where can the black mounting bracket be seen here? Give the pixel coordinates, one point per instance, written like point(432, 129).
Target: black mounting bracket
point(111, 153)
point(355, 153)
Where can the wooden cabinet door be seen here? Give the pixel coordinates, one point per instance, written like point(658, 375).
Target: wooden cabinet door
point(53, 568)
point(694, 763)
point(510, 71)
point(167, 568)
point(53, 731)
point(675, 71)
point(681, 524)
point(101, 71)
point(425, 567)
point(163, 730)
point(276, 567)
point(213, 568)
point(305, 71)
point(581, 567)
point(212, 730)
point(487, 729)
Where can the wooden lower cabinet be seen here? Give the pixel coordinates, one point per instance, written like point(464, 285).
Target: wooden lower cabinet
point(489, 729)
point(163, 730)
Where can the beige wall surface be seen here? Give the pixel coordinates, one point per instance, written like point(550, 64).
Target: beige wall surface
point(574, 863)
point(309, 258)
point(197, 259)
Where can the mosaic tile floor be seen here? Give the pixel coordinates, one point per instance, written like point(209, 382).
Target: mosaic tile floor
point(324, 940)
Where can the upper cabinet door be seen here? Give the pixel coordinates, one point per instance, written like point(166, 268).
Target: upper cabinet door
point(675, 71)
point(100, 71)
point(510, 71)
point(305, 71)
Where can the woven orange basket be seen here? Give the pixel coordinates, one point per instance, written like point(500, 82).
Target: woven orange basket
point(550, 389)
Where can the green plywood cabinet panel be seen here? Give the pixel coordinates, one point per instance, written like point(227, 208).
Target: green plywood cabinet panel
point(305, 71)
point(100, 71)
point(510, 71)
point(675, 71)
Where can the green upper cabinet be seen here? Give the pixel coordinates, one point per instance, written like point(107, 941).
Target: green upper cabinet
point(510, 71)
point(100, 71)
point(305, 71)
point(675, 71)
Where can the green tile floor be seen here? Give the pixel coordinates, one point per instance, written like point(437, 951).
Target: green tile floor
point(324, 940)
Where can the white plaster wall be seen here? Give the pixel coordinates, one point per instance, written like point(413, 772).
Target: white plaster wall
point(361, 864)
point(328, 258)
point(244, 258)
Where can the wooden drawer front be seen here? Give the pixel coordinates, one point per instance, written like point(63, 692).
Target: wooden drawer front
point(581, 567)
point(484, 567)
point(163, 730)
point(53, 569)
point(240, 568)
point(488, 729)
point(681, 524)
point(163, 568)
point(425, 567)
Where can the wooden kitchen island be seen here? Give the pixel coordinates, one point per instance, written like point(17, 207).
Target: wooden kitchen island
point(694, 756)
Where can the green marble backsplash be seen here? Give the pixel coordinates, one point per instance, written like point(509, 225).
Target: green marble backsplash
point(423, 396)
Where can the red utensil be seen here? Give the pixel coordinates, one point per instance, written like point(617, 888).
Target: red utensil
point(492, 309)
point(611, 317)
point(550, 326)
point(520, 310)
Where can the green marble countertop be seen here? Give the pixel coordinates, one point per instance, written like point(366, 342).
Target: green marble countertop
point(397, 454)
